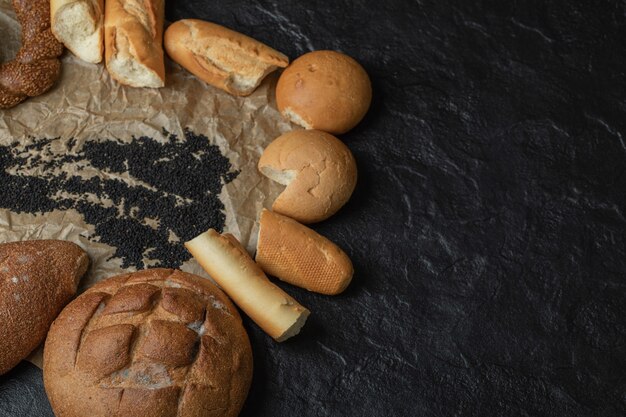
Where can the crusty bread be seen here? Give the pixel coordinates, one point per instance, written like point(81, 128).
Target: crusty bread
point(324, 90)
point(317, 168)
point(36, 66)
point(78, 24)
point(37, 278)
point(133, 42)
point(221, 57)
point(157, 342)
point(298, 255)
point(228, 263)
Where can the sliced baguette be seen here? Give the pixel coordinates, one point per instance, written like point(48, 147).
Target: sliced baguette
point(78, 24)
point(133, 42)
point(221, 57)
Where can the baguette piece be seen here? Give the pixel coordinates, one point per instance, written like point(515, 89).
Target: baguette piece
point(133, 42)
point(78, 24)
point(298, 255)
point(228, 263)
point(221, 57)
point(37, 279)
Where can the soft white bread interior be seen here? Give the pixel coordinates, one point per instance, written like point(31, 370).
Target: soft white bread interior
point(133, 42)
point(78, 24)
point(298, 255)
point(221, 57)
point(318, 169)
point(228, 263)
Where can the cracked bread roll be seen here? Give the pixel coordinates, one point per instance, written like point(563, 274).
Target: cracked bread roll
point(318, 170)
point(158, 343)
point(78, 24)
point(324, 90)
point(221, 57)
point(37, 278)
point(298, 255)
point(133, 42)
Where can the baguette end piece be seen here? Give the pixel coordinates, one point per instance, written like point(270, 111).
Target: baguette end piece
point(79, 26)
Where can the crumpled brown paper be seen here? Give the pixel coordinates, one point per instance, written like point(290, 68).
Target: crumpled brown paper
point(86, 103)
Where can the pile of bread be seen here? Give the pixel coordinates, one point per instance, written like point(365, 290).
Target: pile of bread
point(163, 342)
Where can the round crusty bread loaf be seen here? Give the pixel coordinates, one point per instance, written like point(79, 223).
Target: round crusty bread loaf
point(324, 90)
point(157, 343)
point(317, 168)
point(37, 278)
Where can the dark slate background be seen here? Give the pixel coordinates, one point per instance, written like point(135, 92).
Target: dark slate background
point(488, 229)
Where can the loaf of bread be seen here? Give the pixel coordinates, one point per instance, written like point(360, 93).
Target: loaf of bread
point(157, 342)
point(78, 24)
point(37, 278)
point(317, 168)
point(221, 57)
point(298, 255)
point(324, 90)
point(133, 42)
point(36, 66)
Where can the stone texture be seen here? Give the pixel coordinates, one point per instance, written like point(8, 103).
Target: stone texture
point(488, 228)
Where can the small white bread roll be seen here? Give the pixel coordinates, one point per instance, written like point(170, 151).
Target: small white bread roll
point(298, 255)
point(317, 168)
point(78, 24)
point(133, 42)
point(228, 263)
point(324, 90)
point(221, 57)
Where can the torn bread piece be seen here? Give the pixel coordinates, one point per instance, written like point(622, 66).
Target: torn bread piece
point(228, 263)
point(318, 169)
point(298, 255)
point(133, 42)
point(221, 57)
point(78, 24)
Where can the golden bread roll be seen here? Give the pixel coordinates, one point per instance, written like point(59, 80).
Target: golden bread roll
point(133, 42)
point(298, 255)
point(78, 24)
point(324, 90)
point(37, 278)
point(157, 342)
point(318, 169)
point(221, 57)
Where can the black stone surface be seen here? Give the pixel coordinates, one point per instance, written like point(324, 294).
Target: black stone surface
point(488, 229)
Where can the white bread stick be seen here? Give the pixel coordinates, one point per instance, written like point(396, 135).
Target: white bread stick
point(225, 260)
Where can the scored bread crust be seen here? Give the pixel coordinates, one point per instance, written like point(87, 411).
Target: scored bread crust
point(133, 42)
point(157, 342)
point(37, 278)
point(221, 57)
point(298, 255)
point(318, 169)
point(78, 24)
point(324, 90)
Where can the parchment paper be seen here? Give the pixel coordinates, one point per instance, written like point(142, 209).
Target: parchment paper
point(86, 104)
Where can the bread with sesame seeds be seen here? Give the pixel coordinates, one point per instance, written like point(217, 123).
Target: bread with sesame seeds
point(36, 66)
point(37, 279)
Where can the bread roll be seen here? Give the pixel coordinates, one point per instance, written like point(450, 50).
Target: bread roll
point(324, 90)
point(133, 44)
point(37, 278)
point(157, 342)
point(317, 168)
point(78, 24)
point(221, 57)
point(298, 255)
